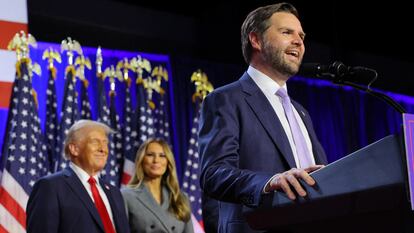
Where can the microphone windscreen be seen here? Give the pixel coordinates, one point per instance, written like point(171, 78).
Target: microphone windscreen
point(310, 69)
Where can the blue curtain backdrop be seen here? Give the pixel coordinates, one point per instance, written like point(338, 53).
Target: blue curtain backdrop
point(110, 57)
point(344, 119)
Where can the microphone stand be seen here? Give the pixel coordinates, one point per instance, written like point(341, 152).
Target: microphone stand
point(340, 74)
point(376, 94)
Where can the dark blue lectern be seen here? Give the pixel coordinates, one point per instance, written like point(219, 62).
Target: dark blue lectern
point(365, 191)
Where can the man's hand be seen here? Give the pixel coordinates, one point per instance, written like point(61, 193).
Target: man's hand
point(288, 179)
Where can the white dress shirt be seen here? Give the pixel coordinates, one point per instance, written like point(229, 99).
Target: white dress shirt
point(84, 177)
point(269, 87)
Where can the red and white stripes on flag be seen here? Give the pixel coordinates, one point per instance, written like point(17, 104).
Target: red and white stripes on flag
point(191, 184)
point(13, 18)
point(13, 198)
point(12, 205)
point(24, 157)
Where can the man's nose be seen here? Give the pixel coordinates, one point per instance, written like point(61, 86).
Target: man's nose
point(102, 147)
point(297, 40)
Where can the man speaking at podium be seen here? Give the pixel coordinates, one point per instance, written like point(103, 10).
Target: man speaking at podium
point(253, 139)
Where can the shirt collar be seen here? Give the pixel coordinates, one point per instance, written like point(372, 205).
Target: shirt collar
point(82, 174)
point(265, 83)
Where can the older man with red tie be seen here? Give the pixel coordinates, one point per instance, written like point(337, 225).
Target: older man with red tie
point(75, 199)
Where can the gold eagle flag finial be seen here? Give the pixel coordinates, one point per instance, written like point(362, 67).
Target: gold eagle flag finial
point(151, 86)
point(51, 55)
point(160, 73)
point(139, 65)
point(20, 43)
point(203, 86)
point(70, 46)
point(111, 73)
point(123, 66)
point(82, 62)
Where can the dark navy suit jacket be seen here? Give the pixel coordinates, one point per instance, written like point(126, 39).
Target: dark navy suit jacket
point(59, 203)
point(242, 145)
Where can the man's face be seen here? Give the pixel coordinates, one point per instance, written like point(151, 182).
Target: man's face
point(90, 151)
point(282, 43)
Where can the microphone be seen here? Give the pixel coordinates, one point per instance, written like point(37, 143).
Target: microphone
point(339, 72)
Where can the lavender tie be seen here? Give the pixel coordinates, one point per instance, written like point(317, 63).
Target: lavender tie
point(300, 143)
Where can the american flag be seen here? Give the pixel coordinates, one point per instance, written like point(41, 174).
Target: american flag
point(161, 119)
point(111, 172)
point(84, 99)
point(103, 110)
point(191, 184)
point(130, 137)
point(68, 116)
point(145, 127)
point(24, 154)
point(145, 114)
point(112, 169)
point(51, 116)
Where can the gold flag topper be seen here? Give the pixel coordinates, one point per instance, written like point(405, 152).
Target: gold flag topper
point(70, 46)
point(111, 73)
point(203, 86)
point(20, 43)
point(81, 61)
point(123, 66)
point(139, 65)
point(151, 86)
point(159, 72)
point(51, 55)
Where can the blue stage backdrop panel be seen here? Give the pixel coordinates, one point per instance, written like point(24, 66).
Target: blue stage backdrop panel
point(110, 57)
point(344, 119)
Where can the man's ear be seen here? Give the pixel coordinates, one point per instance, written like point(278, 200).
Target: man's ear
point(74, 149)
point(255, 41)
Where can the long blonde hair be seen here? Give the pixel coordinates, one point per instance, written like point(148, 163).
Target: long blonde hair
point(179, 205)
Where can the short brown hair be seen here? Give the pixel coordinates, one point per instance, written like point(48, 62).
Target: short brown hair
point(258, 21)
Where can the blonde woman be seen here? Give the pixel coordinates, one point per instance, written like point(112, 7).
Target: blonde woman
point(153, 198)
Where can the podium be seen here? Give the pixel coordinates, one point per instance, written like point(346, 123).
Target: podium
point(366, 191)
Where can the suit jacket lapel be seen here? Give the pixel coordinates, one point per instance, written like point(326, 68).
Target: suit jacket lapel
point(267, 116)
point(319, 158)
point(143, 195)
point(78, 188)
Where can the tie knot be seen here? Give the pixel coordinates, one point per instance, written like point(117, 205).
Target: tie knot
point(92, 181)
point(282, 93)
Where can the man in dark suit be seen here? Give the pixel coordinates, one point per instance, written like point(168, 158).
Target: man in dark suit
point(253, 139)
point(210, 210)
point(75, 199)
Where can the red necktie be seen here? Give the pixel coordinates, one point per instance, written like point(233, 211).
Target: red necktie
point(109, 228)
